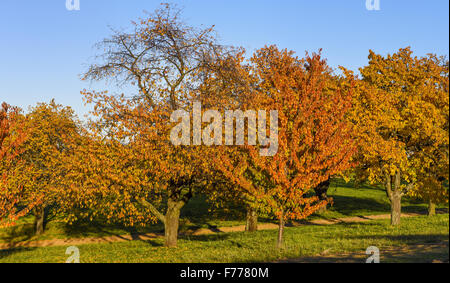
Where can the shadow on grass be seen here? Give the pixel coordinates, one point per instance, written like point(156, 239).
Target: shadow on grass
point(407, 239)
point(404, 254)
point(199, 209)
point(19, 233)
point(357, 206)
point(206, 238)
point(14, 235)
point(153, 243)
point(10, 252)
point(96, 229)
point(84, 229)
point(349, 205)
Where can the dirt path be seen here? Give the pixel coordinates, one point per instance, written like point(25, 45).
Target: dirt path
point(270, 226)
point(202, 231)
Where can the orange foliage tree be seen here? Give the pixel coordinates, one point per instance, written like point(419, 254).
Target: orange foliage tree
point(12, 137)
point(226, 88)
point(166, 60)
point(314, 138)
point(37, 168)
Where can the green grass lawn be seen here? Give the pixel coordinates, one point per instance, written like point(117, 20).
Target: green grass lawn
point(348, 201)
point(301, 241)
point(365, 200)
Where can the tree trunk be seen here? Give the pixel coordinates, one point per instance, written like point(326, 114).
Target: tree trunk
point(321, 191)
point(171, 223)
point(280, 231)
point(396, 209)
point(394, 193)
point(39, 220)
point(252, 220)
point(396, 203)
point(431, 208)
point(171, 219)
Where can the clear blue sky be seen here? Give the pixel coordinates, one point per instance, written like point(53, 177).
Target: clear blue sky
point(44, 47)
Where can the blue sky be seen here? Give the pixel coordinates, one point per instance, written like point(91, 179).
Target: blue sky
point(44, 47)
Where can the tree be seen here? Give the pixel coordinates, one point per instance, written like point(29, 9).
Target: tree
point(166, 60)
point(250, 186)
point(12, 136)
point(37, 168)
point(432, 180)
point(401, 120)
point(314, 139)
point(104, 181)
point(321, 191)
point(225, 88)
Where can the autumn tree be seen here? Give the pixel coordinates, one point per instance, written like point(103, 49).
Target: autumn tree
point(321, 191)
point(12, 136)
point(432, 180)
point(166, 60)
point(104, 181)
point(432, 183)
point(314, 139)
point(401, 120)
point(243, 183)
point(37, 168)
point(225, 89)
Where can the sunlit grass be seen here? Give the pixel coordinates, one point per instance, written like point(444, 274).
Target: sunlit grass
point(300, 241)
point(348, 201)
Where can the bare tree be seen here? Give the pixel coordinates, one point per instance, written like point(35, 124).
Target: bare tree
point(167, 61)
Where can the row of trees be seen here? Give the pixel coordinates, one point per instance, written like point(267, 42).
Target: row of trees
point(389, 127)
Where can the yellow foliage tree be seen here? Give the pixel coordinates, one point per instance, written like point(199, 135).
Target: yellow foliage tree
point(37, 169)
point(400, 115)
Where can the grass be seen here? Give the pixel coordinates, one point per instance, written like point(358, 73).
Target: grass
point(241, 247)
point(348, 201)
point(365, 200)
point(300, 241)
